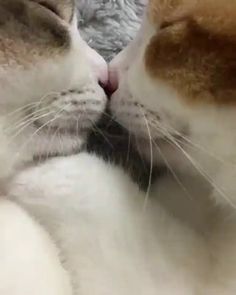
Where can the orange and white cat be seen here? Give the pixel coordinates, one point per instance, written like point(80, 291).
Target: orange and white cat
point(49, 100)
point(176, 97)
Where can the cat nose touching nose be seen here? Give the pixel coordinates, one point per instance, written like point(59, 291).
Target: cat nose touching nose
point(98, 65)
point(108, 75)
point(116, 69)
point(113, 81)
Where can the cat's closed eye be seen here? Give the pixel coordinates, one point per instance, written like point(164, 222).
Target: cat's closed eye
point(165, 25)
point(64, 9)
point(49, 6)
point(172, 22)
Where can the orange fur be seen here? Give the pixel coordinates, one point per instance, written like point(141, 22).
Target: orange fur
point(195, 52)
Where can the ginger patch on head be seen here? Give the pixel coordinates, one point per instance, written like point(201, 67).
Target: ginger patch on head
point(163, 11)
point(31, 30)
point(195, 52)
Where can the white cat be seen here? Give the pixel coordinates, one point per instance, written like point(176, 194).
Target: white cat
point(50, 95)
point(50, 99)
point(114, 239)
point(110, 242)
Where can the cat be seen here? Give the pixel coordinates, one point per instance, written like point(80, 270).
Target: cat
point(177, 95)
point(50, 100)
point(49, 81)
point(114, 239)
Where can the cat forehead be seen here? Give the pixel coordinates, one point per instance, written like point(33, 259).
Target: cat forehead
point(64, 8)
point(33, 29)
point(195, 52)
point(218, 16)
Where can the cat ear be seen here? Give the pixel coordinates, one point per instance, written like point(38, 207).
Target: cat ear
point(63, 8)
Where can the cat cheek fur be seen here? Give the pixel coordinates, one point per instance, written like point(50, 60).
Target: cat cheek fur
point(45, 77)
point(21, 238)
point(185, 75)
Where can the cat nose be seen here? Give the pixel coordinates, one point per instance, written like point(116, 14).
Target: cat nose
point(116, 69)
point(98, 65)
point(113, 79)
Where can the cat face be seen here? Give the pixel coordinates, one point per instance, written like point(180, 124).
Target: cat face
point(177, 80)
point(49, 77)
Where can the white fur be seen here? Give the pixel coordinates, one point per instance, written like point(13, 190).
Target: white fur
point(110, 242)
point(29, 259)
point(60, 93)
point(210, 152)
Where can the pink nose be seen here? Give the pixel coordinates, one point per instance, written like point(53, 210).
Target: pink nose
point(98, 65)
point(116, 69)
point(113, 81)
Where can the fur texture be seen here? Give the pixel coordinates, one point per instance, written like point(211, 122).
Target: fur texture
point(43, 90)
point(108, 26)
point(180, 59)
point(49, 90)
point(114, 239)
point(28, 255)
point(106, 234)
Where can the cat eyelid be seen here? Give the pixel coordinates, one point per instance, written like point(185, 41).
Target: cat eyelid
point(178, 17)
point(166, 25)
point(50, 7)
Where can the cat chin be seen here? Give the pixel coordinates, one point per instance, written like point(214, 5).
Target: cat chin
point(35, 144)
point(48, 145)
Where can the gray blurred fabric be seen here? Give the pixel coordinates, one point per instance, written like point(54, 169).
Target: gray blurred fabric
point(108, 25)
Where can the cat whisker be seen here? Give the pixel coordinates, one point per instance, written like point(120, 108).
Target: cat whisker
point(186, 140)
point(207, 177)
point(60, 140)
point(138, 149)
point(113, 119)
point(30, 105)
point(28, 123)
point(151, 159)
point(170, 168)
point(128, 148)
point(201, 171)
point(52, 139)
point(23, 120)
point(18, 110)
point(57, 115)
point(204, 174)
point(97, 129)
point(77, 127)
point(108, 115)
